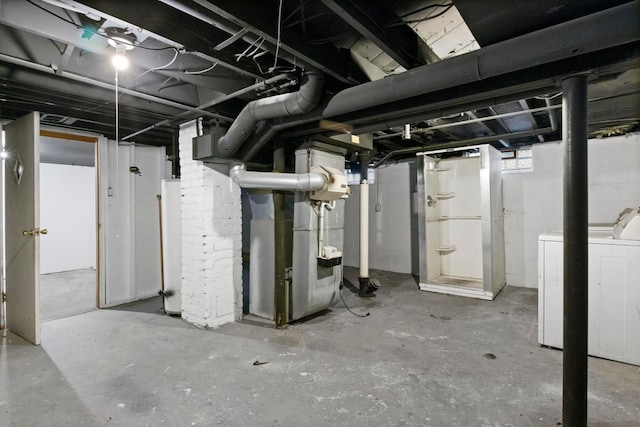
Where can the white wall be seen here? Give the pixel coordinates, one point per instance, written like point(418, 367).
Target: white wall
point(392, 230)
point(67, 211)
point(211, 239)
point(533, 201)
point(2, 319)
point(130, 256)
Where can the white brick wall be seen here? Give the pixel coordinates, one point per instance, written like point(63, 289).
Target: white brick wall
point(211, 240)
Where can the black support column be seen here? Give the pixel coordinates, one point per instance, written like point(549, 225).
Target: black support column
point(574, 370)
point(281, 297)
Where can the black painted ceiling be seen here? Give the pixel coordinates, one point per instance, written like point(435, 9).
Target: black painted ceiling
point(55, 58)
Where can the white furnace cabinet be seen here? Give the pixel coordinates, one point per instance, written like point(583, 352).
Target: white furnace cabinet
point(460, 222)
point(614, 296)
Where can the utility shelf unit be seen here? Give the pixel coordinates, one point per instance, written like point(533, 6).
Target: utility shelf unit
point(460, 222)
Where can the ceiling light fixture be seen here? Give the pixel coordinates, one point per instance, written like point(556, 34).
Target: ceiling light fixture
point(121, 38)
point(119, 61)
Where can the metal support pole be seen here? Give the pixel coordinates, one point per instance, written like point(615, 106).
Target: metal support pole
point(574, 360)
point(281, 303)
point(367, 287)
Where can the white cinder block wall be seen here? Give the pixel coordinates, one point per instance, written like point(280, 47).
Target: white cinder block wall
point(68, 210)
point(211, 239)
point(532, 203)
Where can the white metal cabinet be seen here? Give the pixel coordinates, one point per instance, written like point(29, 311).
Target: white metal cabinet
point(614, 296)
point(460, 222)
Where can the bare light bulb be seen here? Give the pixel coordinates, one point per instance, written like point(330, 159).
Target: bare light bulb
point(119, 61)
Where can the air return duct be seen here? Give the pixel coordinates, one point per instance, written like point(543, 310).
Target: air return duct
point(290, 104)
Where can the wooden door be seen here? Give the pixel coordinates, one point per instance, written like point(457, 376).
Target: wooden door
point(22, 223)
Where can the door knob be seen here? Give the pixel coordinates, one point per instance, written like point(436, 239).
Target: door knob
point(34, 232)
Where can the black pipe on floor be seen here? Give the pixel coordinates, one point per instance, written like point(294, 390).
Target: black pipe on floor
point(574, 359)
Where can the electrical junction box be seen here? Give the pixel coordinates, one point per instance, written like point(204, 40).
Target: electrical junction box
point(205, 147)
point(336, 186)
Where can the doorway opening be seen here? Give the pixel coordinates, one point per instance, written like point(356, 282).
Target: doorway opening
point(68, 196)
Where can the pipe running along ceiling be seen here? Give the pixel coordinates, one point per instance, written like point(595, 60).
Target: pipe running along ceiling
point(294, 69)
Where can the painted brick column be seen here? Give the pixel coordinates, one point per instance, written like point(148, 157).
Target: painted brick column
point(211, 239)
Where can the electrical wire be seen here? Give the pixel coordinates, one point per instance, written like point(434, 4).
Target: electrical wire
point(342, 298)
point(157, 68)
point(300, 6)
point(255, 57)
point(80, 27)
point(394, 23)
point(432, 6)
point(347, 307)
point(202, 71)
point(331, 39)
point(117, 112)
point(275, 61)
point(544, 97)
point(414, 21)
point(244, 53)
point(307, 19)
point(254, 51)
point(54, 14)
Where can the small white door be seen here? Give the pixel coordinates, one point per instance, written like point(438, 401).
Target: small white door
point(22, 232)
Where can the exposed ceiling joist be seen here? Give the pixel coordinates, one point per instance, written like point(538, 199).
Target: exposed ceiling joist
point(325, 58)
point(169, 26)
point(399, 42)
point(64, 58)
point(492, 127)
point(22, 16)
point(56, 59)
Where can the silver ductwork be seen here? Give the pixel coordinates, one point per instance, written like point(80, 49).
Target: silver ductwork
point(304, 182)
point(285, 105)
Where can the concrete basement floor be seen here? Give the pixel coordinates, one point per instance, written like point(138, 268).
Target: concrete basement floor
point(67, 293)
point(419, 359)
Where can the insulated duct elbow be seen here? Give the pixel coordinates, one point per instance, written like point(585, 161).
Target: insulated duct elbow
point(289, 104)
point(293, 182)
